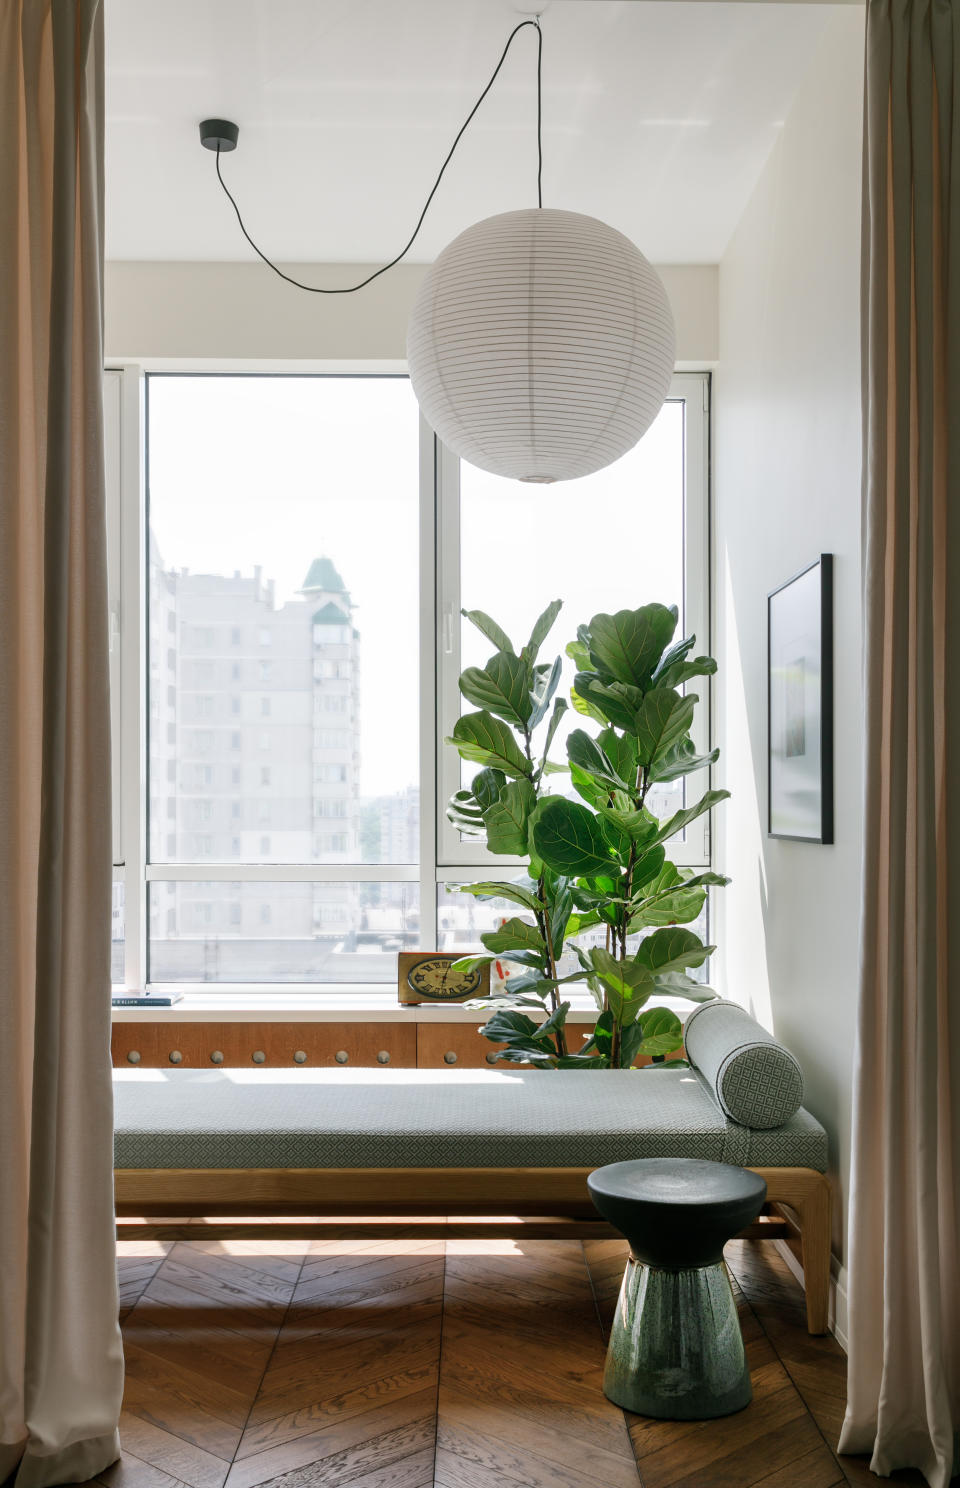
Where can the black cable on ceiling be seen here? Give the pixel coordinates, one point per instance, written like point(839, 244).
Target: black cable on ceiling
point(352, 288)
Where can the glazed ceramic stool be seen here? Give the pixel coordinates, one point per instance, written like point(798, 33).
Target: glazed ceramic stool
point(676, 1350)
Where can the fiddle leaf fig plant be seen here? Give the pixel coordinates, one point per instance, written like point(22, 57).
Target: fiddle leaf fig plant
point(597, 864)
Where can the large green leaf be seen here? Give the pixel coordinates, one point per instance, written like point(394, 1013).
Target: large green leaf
point(639, 826)
point(671, 950)
point(514, 935)
point(682, 759)
point(681, 907)
point(597, 795)
point(486, 786)
point(568, 839)
point(501, 687)
point(464, 803)
point(490, 629)
point(544, 685)
point(488, 741)
point(685, 671)
point(541, 629)
point(678, 985)
point(682, 819)
point(559, 708)
point(647, 866)
point(621, 751)
point(628, 645)
point(677, 653)
point(463, 812)
point(664, 718)
point(586, 754)
point(506, 820)
point(659, 1020)
point(610, 702)
point(623, 981)
point(512, 892)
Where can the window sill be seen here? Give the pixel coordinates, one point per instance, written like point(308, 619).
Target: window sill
point(375, 1004)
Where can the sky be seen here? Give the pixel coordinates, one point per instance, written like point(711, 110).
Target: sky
point(276, 471)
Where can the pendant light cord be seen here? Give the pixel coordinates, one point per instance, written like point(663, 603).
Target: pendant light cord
point(352, 288)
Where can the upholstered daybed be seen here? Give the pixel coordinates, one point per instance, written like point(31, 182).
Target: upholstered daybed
point(312, 1145)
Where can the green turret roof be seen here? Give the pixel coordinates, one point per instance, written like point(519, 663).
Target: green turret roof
point(331, 614)
point(323, 575)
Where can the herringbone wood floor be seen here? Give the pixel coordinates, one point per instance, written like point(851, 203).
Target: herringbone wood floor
point(462, 1364)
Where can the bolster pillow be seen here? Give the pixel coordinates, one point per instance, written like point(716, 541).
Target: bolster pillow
point(755, 1080)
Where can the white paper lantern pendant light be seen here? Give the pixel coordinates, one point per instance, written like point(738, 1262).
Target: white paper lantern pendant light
point(541, 344)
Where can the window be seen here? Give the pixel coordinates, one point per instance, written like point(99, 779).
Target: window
point(348, 859)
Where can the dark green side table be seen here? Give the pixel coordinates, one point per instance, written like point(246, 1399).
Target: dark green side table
point(676, 1350)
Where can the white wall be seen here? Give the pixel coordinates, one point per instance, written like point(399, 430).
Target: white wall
point(240, 311)
point(787, 481)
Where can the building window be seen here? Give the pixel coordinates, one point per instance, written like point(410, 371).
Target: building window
point(347, 766)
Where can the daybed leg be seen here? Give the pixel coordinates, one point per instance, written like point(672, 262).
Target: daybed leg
point(814, 1212)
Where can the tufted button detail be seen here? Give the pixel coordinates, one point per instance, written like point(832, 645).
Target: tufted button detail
point(341, 1056)
point(449, 1057)
point(216, 1057)
point(300, 1056)
point(384, 1056)
point(491, 1058)
point(258, 1056)
point(133, 1056)
point(175, 1056)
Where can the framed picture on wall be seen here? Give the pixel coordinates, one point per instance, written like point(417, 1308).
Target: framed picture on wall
point(800, 705)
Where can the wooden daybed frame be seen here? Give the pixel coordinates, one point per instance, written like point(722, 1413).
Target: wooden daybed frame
point(342, 1203)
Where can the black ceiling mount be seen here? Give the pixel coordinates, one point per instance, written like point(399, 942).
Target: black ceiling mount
point(219, 134)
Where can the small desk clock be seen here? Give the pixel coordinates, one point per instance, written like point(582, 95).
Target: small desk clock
point(429, 976)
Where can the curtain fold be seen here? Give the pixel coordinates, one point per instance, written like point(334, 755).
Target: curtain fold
point(904, 1241)
point(61, 1366)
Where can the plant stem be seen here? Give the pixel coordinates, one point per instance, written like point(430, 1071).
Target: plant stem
point(543, 916)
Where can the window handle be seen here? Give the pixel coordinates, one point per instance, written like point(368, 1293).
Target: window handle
point(114, 632)
point(448, 630)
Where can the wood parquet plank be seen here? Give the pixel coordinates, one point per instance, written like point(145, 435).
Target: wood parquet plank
point(133, 1472)
point(173, 1455)
point(418, 1363)
point(345, 1448)
point(545, 1435)
point(509, 1346)
point(320, 1412)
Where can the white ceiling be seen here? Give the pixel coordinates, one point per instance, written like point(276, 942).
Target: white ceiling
point(658, 117)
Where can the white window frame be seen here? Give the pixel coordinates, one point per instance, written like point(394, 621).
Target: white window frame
point(453, 850)
point(443, 856)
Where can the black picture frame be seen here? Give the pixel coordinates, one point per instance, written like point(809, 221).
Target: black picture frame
point(800, 705)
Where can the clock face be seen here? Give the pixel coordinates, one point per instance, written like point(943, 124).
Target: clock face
point(435, 977)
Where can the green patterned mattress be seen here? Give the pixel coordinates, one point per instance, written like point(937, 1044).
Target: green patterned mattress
point(338, 1118)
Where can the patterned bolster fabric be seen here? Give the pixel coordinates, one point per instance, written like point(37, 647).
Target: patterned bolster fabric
point(755, 1080)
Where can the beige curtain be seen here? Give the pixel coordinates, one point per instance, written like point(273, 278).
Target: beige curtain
point(60, 1357)
point(904, 1373)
